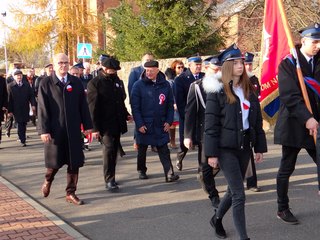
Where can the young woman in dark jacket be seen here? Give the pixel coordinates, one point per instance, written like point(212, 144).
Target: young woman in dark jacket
point(233, 126)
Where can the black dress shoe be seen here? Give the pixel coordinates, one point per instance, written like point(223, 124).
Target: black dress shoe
point(143, 175)
point(172, 178)
point(179, 165)
point(112, 186)
point(72, 198)
point(216, 223)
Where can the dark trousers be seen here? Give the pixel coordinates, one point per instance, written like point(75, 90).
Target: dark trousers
point(183, 149)
point(207, 174)
point(287, 166)
point(72, 178)
point(252, 181)
point(22, 128)
point(164, 155)
point(110, 153)
point(234, 164)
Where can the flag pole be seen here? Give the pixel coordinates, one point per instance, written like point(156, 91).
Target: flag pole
point(295, 55)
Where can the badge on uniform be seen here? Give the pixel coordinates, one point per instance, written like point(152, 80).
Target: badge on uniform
point(246, 105)
point(162, 98)
point(117, 85)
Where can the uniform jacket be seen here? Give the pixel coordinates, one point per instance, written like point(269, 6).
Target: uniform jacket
point(152, 106)
point(3, 97)
point(195, 108)
point(290, 129)
point(224, 128)
point(134, 76)
point(19, 101)
point(255, 83)
point(182, 84)
point(106, 103)
point(61, 111)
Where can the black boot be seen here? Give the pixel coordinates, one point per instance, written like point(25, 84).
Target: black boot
point(216, 223)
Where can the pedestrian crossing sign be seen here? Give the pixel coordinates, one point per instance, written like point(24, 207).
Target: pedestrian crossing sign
point(84, 50)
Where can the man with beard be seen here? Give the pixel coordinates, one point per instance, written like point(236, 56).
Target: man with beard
point(109, 115)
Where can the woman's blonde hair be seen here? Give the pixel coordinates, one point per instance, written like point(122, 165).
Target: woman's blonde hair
point(244, 82)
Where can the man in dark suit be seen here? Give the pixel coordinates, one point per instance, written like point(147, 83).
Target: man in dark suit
point(252, 181)
point(62, 108)
point(109, 115)
point(182, 84)
point(20, 96)
point(296, 125)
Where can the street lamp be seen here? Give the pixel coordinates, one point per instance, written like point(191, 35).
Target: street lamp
point(4, 14)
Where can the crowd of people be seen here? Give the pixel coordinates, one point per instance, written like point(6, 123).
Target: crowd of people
point(217, 110)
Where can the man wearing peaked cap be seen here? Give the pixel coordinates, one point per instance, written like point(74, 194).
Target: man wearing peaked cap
point(294, 114)
point(252, 183)
point(182, 84)
point(194, 124)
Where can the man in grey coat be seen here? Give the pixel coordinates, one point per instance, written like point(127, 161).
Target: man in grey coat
point(62, 108)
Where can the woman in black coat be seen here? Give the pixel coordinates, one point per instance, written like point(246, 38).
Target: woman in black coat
point(233, 125)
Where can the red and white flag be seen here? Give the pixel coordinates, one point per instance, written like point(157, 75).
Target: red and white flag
point(274, 48)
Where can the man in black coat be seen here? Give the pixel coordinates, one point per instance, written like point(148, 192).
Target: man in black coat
point(109, 115)
point(182, 84)
point(295, 125)
point(3, 101)
point(194, 123)
point(62, 108)
point(20, 96)
point(252, 181)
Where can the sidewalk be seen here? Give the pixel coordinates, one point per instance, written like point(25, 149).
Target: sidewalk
point(22, 218)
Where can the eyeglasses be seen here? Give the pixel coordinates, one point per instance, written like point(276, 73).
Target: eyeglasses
point(63, 63)
point(179, 67)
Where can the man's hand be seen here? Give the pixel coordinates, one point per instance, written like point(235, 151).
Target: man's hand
point(166, 127)
point(46, 138)
point(187, 142)
point(312, 125)
point(143, 129)
point(259, 157)
point(213, 162)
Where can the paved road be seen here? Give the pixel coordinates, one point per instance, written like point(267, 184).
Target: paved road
point(153, 209)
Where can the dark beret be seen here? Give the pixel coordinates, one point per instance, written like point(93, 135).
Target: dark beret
point(103, 57)
point(151, 63)
point(111, 63)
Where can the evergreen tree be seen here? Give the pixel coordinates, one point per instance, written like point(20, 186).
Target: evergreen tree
point(167, 28)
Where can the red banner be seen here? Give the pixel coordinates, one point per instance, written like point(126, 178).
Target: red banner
point(274, 48)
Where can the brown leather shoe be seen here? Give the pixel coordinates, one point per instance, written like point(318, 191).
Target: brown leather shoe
point(72, 198)
point(46, 188)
